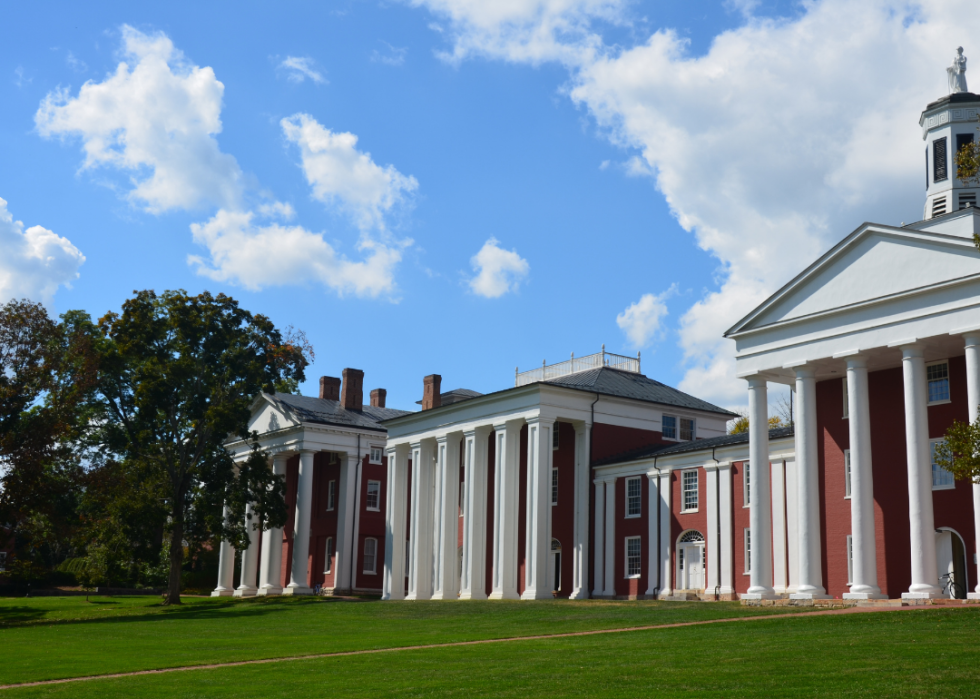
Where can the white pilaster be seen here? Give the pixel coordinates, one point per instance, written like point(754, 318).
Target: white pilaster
point(250, 557)
point(475, 455)
point(972, 342)
point(922, 528)
point(719, 535)
point(270, 579)
point(864, 583)
point(537, 542)
point(423, 469)
point(226, 568)
point(609, 586)
point(299, 569)
point(599, 527)
point(580, 553)
point(792, 526)
point(345, 560)
point(807, 495)
point(446, 511)
point(506, 476)
point(760, 516)
point(395, 516)
point(666, 540)
point(780, 566)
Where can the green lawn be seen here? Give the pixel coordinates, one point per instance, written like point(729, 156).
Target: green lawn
point(122, 634)
point(931, 652)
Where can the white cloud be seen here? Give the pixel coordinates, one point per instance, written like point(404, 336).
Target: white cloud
point(258, 256)
point(498, 270)
point(76, 64)
point(34, 262)
point(156, 117)
point(643, 321)
point(394, 56)
point(19, 79)
point(342, 175)
point(299, 68)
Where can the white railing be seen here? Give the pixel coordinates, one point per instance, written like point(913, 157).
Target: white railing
point(549, 372)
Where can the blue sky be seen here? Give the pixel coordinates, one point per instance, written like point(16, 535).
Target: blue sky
point(648, 171)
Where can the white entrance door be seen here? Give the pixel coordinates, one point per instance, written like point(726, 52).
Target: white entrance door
point(951, 564)
point(691, 565)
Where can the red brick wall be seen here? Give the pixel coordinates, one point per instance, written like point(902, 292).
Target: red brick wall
point(625, 527)
point(682, 522)
point(371, 525)
point(740, 515)
point(563, 514)
point(610, 440)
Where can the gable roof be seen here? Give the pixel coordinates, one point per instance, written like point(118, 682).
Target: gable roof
point(331, 412)
point(626, 384)
point(684, 447)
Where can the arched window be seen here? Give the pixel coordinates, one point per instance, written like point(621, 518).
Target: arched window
point(691, 537)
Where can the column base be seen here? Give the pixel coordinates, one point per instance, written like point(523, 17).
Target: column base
point(296, 591)
point(809, 595)
point(504, 594)
point(245, 592)
point(863, 595)
point(928, 594)
point(536, 594)
point(579, 594)
point(969, 595)
point(766, 594)
point(222, 592)
point(472, 595)
point(268, 591)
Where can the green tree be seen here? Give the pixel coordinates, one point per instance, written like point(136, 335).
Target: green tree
point(178, 376)
point(959, 452)
point(740, 424)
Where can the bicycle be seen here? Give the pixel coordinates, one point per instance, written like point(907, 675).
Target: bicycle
point(951, 588)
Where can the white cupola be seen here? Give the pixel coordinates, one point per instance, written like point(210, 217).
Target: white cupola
point(947, 124)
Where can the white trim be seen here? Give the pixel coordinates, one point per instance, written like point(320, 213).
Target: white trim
point(626, 494)
point(685, 510)
point(331, 495)
point(949, 384)
point(747, 548)
point(746, 481)
point(373, 556)
point(932, 465)
point(847, 474)
point(626, 557)
point(846, 413)
point(328, 557)
point(367, 498)
point(371, 451)
point(850, 560)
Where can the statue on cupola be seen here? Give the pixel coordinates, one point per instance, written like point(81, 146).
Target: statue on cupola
point(956, 73)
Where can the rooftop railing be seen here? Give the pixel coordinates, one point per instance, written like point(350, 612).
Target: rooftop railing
point(549, 372)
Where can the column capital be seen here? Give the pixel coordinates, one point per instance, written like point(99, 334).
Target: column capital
point(541, 419)
point(804, 371)
point(303, 451)
point(445, 437)
point(756, 381)
point(478, 431)
point(511, 423)
point(605, 480)
point(911, 347)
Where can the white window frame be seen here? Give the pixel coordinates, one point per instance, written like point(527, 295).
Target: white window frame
point(847, 413)
point(684, 491)
point(554, 437)
point(680, 429)
point(367, 498)
point(639, 497)
point(663, 427)
point(638, 557)
point(746, 483)
point(847, 474)
point(462, 498)
point(850, 560)
point(943, 486)
point(331, 495)
point(554, 486)
point(377, 455)
point(949, 385)
point(328, 561)
point(374, 557)
point(747, 543)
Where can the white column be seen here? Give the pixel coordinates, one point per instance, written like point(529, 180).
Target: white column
point(270, 579)
point(780, 566)
point(298, 574)
point(922, 529)
point(719, 534)
point(609, 586)
point(580, 553)
point(599, 527)
point(863, 550)
point(250, 557)
point(226, 568)
point(807, 495)
point(760, 516)
point(972, 342)
point(506, 476)
point(446, 512)
point(727, 523)
point(423, 469)
point(474, 582)
point(653, 534)
point(345, 548)
point(792, 526)
point(666, 540)
point(395, 515)
point(537, 542)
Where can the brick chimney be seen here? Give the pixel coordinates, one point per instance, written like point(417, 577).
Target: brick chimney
point(352, 390)
point(378, 397)
point(329, 388)
point(431, 392)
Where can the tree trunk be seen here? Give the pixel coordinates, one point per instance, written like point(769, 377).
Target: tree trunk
point(176, 558)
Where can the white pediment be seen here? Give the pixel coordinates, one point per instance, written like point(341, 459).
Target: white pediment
point(267, 418)
point(873, 263)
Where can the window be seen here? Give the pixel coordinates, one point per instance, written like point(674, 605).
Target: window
point(963, 139)
point(633, 501)
point(687, 429)
point(331, 495)
point(939, 206)
point(748, 551)
point(462, 497)
point(941, 478)
point(554, 486)
point(3, 561)
point(846, 412)
point(850, 560)
point(938, 377)
point(669, 426)
point(746, 490)
point(847, 473)
point(689, 482)
point(370, 556)
point(633, 557)
point(967, 200)
point(554, 437)
point(374, 496)
point(328, 565)
point(376, 454)
point(939, 160)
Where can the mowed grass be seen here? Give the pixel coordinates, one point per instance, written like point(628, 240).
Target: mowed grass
point(930, 652)
point(51, 638)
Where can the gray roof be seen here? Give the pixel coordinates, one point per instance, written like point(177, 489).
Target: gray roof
point(457, 395)
point(683, 447)
point(331, 412)
point(626, 384)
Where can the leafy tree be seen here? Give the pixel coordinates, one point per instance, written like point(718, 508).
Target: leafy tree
point(740, 424)
point(179, 373)
point(959, 452)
